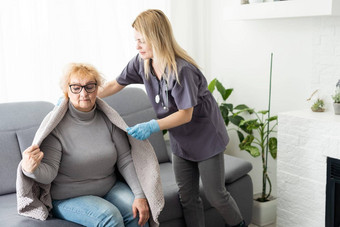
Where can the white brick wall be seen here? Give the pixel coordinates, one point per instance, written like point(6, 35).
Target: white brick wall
point(326, 56)
point(305, 140)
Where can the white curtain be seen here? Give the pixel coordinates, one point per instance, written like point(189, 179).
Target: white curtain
point(39, 37)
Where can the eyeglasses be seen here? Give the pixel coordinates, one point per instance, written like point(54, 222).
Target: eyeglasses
point(89, 88)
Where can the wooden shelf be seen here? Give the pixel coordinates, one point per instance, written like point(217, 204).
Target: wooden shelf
point(283, 9)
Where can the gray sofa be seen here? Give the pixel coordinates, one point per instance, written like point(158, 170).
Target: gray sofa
point(19, 121)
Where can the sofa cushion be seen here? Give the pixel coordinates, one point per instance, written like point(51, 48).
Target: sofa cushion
point(12, 144)
point(10, 217)
point(134, 107)
point(25, 137)
point(172, 208)
point(235, 168)
point(10, 158)
point(18, 124)
point(22, 115)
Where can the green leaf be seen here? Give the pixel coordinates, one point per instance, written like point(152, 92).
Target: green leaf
point(250, 111)
point(250, 123)
point(241, 107)
point(225, 93)
point(230, 106)
point(263, 112)
point(245, 129)
point(256, 125)
point(253, 151)
point(247, 141)
point(273, 118)
point(236, 119)
point(224, 109)
point(225, 112)
point(240, 136)
point(272, 145)
point(220, 88)
point(211, 86)
point(226, 121)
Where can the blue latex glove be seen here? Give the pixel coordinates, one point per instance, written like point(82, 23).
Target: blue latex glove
point(143, 130)
point(60, 100)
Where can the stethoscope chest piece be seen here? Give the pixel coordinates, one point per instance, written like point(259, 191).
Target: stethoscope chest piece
point(157, 99)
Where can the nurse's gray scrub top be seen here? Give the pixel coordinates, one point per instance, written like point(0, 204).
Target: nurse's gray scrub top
point(205, 135)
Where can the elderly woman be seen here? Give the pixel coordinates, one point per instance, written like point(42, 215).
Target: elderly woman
point(80, 157)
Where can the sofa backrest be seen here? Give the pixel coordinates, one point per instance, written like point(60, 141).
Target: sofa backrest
point(18, 124)
point(134, 106)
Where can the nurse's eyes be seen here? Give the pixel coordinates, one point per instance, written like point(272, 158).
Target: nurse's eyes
point(140, 41)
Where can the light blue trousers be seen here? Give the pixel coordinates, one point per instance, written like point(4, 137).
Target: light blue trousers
point(114, 209)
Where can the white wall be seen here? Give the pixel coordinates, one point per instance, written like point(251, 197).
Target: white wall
point(189, 21)
point(306, 57)
point(38, 38)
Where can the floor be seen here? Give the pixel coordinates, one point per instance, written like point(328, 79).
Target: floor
point(272, 225)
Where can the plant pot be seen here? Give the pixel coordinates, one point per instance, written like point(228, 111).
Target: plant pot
point(264, 213)
point(336, 107)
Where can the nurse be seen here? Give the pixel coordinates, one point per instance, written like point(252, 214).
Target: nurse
point(184, 106)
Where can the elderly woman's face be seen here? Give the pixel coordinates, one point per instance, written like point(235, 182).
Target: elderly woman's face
point(87, 93)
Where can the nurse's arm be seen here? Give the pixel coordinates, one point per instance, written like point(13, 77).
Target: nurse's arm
point(109, 88)
point(176, 119)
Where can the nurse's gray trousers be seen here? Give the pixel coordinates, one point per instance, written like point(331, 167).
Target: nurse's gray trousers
point(211, 171)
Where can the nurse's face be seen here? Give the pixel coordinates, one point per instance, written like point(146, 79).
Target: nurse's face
point(144, 49)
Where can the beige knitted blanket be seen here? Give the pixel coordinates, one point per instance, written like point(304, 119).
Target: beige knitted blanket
point(34, 199)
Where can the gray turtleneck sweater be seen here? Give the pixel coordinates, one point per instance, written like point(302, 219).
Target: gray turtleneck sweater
point(81, 155)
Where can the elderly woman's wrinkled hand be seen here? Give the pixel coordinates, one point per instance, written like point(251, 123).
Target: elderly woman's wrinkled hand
point(31, 158)
point(141, 206)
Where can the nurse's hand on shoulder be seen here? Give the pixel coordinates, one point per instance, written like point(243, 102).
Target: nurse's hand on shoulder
point(31, 158)
point(142, 131)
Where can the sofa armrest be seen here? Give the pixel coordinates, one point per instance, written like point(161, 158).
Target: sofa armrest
point(235, 168)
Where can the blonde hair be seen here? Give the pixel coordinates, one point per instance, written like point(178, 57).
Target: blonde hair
point(156, 29)
point(79, 70)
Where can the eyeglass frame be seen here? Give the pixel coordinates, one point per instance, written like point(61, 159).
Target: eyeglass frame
point(84, 86)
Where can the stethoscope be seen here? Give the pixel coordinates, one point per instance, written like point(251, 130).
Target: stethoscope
point(159, 97)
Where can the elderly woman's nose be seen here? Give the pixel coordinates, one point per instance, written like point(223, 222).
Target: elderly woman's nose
point(84, 92)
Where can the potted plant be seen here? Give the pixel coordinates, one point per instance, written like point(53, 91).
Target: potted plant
point(318, 103)
point(318, 106)
point(256, 137)
point(336, 99)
